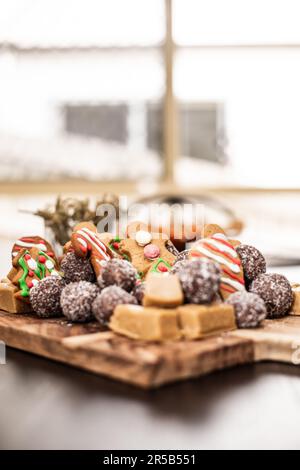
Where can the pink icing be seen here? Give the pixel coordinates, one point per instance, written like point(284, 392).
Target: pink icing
point(151, 251)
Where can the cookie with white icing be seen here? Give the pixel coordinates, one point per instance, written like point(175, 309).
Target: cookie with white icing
point(218, 248)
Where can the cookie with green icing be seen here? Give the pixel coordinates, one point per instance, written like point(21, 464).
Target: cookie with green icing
point(29, 267)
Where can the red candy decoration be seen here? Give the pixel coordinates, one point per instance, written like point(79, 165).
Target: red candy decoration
point(30, 273)
point(116, 245)
point(162, 268)
point(42, 259)
point(27, 257)
point(29, 284)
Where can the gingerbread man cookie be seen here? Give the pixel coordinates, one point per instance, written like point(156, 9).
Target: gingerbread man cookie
point(33, 242)
point(86, 242)
point(218, 248)
point(29, 267)
point(145, 250)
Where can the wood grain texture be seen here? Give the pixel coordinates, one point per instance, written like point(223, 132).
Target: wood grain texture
point(146, 365)
point(149, 365)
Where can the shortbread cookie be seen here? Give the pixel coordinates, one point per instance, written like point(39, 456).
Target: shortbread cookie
point(8, 302)
point(197, 321)
point(145, 323)
point(295, 309)
point(162, 291)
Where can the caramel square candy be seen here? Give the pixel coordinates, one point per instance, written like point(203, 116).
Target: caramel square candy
point(145, 323)
point(197, 321)
point(8, 302)
point(295, 309)
point(162, 290)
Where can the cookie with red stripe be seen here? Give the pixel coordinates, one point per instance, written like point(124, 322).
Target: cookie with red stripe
point(86, 243)
point(218, 248)
point(32, 242)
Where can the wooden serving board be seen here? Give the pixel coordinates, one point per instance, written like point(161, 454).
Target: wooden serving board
point(149, 365)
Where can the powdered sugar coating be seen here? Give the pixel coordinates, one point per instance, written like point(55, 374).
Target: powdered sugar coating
point(118, 272)
point(249, 309)
point(45, 297)
point(138, 292)
point(200, 280)
point(276, 292)
point(105, 302)
point(77, 269)
point(183, 255)
point(76, 300)
point(253, 261)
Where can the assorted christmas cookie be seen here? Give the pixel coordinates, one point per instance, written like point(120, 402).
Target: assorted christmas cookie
point(33, 242)
point(29, 267)
point(146, 250)
point(77, 299)
point(120, 273)
point(295, 308)
point(200, 280)
point(75, 268)
point(252, 260)
point(45, 297)
point(145, 323)
point(8, 302)
point(218, 249)
point(276, 292)
point(86, 243)
point(105, 302)
point(198, 321)
point(250, 310)
point(162, 291)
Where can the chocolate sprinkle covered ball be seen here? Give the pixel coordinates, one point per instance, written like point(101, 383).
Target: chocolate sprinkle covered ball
point(77, 269)
point(138, 292)
point(276, 292)
point(76, 300)
point(183, 255)
point(105, 302)
point(252, 260)
point(200, 280)
point(45, 297)
point(249, 309)
point(179, 265)
point(118, 272)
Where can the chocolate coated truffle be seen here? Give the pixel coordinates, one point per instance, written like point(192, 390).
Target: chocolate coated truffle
point(138, 292)
point(249, 309)
point(252, 260)
point(76, 300)
point(183, 255)
point(118, 272)
point(105, 302)
point(45, 297)
point(276, 292)
point(200, 280)
point(77, 269)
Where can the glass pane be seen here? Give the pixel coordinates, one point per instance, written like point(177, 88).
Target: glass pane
point(85, 23)
point(69, 106)
point(252, 104)
point(209, 22)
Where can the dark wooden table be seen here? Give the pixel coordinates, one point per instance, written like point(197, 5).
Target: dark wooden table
point(45, 405)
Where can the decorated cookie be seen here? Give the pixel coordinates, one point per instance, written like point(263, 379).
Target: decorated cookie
point(29, 267)
point(218, 248)
point(33, 242)
point(146, 251)
point(86, 243)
